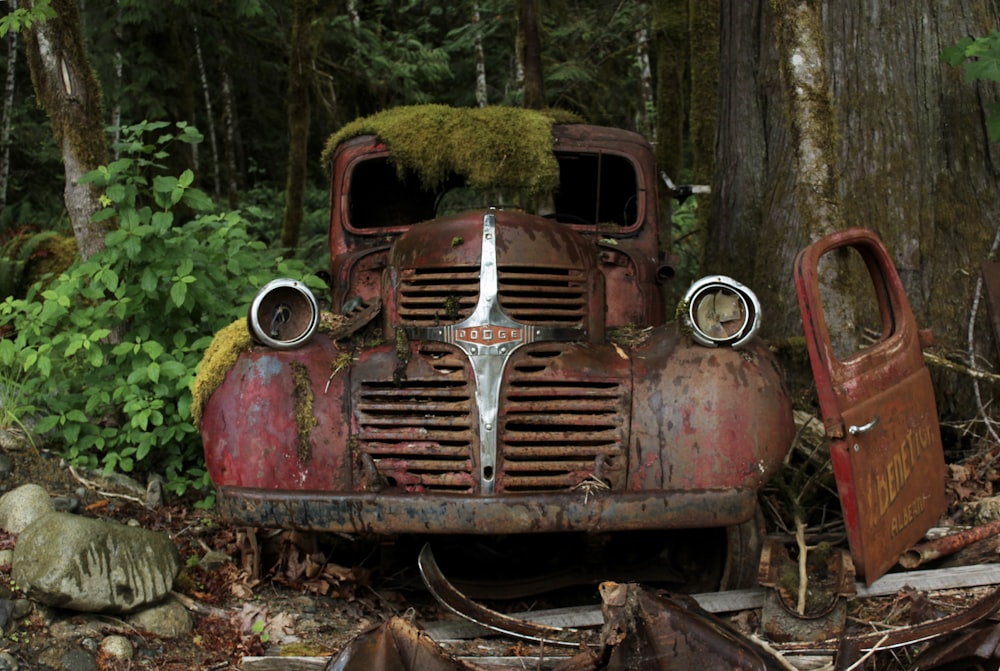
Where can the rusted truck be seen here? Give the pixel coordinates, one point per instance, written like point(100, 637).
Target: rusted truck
point(494, 355)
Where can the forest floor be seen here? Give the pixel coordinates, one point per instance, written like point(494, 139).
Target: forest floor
point(256, 593)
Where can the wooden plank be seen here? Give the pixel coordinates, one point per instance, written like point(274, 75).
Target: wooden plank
point(273, 663)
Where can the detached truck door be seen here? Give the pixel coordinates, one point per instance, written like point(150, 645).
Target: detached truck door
point(876, 399)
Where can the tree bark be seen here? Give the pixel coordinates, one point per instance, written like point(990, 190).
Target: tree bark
point(528, 14)
point(893, 140)
point(8, 107)
point(646, 123)
point(481, 99)
point(68, 89)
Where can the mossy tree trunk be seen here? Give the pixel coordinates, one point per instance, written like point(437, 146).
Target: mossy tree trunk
point(68, 89)
point(530, 47)
point(304, 43)
point(877, 132)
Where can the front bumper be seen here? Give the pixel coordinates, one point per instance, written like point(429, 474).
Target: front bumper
point(390, 513)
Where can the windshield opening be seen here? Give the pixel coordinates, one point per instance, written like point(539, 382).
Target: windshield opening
point(594, 189)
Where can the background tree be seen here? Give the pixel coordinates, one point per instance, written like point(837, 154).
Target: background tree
point(530, 53)
point(69, 91)
point(303, 44)
point(844, 114)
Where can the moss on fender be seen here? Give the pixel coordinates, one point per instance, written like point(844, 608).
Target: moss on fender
point(219, 357)
point(503, 147)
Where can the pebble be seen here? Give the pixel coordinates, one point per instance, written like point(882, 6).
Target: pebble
point(118, 647)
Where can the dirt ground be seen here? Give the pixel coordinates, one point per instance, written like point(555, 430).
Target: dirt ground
point(260, 592)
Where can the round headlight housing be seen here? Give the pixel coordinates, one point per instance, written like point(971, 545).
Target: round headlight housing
point(721, 312)
point(284, 314)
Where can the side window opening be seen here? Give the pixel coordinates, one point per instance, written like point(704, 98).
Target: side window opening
point(597, 188)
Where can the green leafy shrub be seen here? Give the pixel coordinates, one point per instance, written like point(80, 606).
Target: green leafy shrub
point(980, 58)
point(109, 348)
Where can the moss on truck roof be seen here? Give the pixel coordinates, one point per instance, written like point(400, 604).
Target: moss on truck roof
point(504, 147)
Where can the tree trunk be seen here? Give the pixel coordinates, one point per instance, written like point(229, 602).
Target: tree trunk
point(481, 99)
point(646, 123)
point(302, 52)
point(893, 140)
point(68, 89)
point(670, 28)
point(528, 14)
point(213, 142)
point(229, 125)
point(8, 108)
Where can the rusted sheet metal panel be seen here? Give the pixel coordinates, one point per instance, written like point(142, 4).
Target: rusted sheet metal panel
point(393, 512)
point(253, 429)
point(706, 417)
point(879, 409)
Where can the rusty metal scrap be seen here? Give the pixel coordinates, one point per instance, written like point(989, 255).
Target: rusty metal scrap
point(946, 545)
point(396, 645)
point(458, 603)
point(969, 649)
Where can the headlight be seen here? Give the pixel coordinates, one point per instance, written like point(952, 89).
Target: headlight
point(721, 312)
point(283, 315)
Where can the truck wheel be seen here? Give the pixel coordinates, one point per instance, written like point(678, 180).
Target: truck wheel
point(743, 544)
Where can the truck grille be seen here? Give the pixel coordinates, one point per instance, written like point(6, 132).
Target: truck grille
point(543, 296)
point(432, 296)
point(558, 429)
point(560, 434)
point(417, 435)
point(534, 295)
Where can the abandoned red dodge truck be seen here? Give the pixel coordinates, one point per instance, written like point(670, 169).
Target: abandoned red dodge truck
point(494, 355)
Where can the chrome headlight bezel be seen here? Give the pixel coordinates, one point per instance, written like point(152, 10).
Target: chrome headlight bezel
point(283, 315)
point(739, 320)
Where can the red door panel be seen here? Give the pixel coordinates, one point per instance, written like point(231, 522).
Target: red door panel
point(878, 410)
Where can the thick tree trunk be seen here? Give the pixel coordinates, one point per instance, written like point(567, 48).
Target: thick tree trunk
point(68, 89)
point(893, 140)
point(670, 28)
point(302, 52)
point(528, 16)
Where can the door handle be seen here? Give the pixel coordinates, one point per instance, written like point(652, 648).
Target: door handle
point(855, 430)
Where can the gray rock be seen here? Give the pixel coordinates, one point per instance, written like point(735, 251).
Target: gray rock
point(78, 660)
point(169, 619)
point(6, 466)
point(74, 562)
point(22, 506)
point(7, 662)
point(117, 647)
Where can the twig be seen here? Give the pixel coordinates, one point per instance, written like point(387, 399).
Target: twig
point(974, 373)
point(785, 664)
point(201, 608)
point(868, 654)
point(800, 540)
point(971, 341)
point(90, 484)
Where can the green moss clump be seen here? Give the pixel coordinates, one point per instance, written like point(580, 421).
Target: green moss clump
point(503, 147)
point(219, 358)
point(305, 417)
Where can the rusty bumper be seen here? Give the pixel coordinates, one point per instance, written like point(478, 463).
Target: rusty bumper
point(390, 513)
